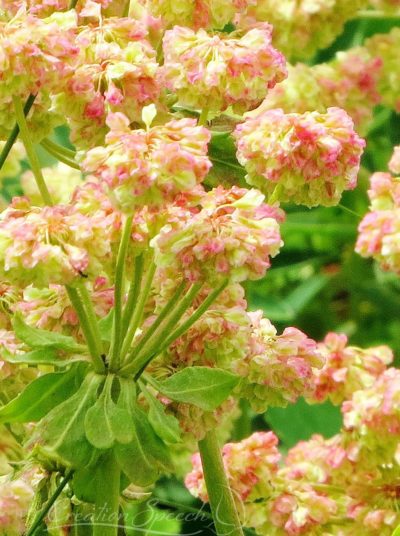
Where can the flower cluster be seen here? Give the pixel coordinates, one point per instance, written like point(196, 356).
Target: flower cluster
point(302, 27)
point(214, 71)
point(150, 166)
point(344, 485)
point(15, 498)
point(56, 244)
point(349, 81)
point(61, 181)
point(37, 55)
point(250, 465)
point(379, 231)
point(385, 47)
point(278, 368)
point(232, 236)
point(116, 72)
point(208, 14)
point(308, 158)
point(347, 368)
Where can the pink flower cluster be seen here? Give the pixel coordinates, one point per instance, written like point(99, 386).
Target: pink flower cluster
point(349, 81)
point(213, 72)
point(308, 158)
point(347, 368)
point(232, 236)
point(56, 244)
point(150, 166)
point(379, 231)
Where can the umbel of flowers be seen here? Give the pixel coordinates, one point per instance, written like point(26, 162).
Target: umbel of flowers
point(124, 326)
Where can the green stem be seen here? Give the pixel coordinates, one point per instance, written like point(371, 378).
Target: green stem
point(168, 308)
point(203, 116)
point(86, 328)
point(15, 131)
point(133, 294)
point(195, 316)
point(116, 339)
point(91, 314)
point(47, 507)
point(139, 309)
point(141, 360)
point(70, 153)
point(72, 4)
point(30, 151)
point(58, 154)
point(106, 509)
point(225, 515)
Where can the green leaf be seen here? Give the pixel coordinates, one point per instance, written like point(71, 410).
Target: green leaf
point(40, 338)
point(165, 426)
point(300, 421)
point(145, 455)
point(62, 431)
point(39, 397)
point(396, 531)
point(107, 422)
point(87, 479)
point(204, 387)
point(43, 356)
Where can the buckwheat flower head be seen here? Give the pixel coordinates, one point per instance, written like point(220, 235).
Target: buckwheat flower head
point(347, 368)
point(349, 81)
point(52, 244)
point(49, 308)
point(278, 368)
point(150, 166)
point(61, 181)
point(15, 498)
point(233, 236)
point(379, 237)
point(394, 164)
point(384, 191)
point(208, 14)
point(214, 71)
point(386, 47)
point(373, 414)
point(301, 27)
point(117, 72)
point(307, 159)
point(35, 55)
point(249, 464)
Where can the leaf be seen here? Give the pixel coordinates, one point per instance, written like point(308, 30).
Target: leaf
point(40, 338)
point(39, 397)
point(300, 421)
point(87, 479)
point(107, 422)
point(62, 431)
point(142, 458)
point(204, 387)
point(165, 426)
point(396, 531)
point(43, 356)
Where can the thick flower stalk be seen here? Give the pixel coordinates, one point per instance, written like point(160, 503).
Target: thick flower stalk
point(213, 71)
point(307, 159)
